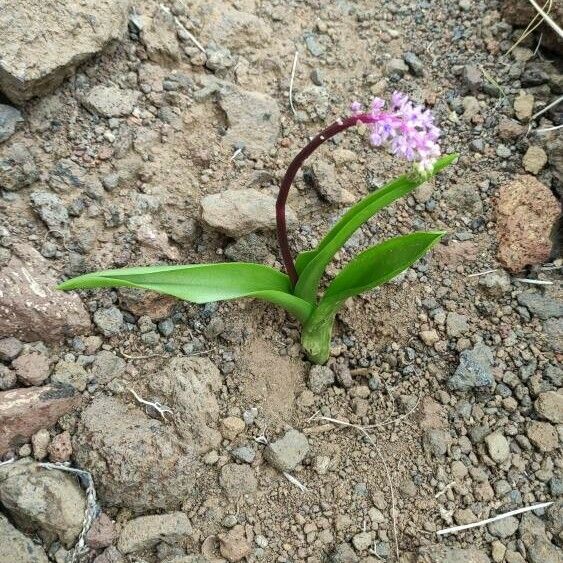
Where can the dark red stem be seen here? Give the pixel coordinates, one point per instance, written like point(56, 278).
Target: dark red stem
point(287, 181)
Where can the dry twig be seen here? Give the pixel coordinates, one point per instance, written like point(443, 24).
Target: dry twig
point(493, 519)
point(162, 410)
point(291, 81)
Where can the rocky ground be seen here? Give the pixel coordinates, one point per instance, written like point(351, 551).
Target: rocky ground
point(142, 133)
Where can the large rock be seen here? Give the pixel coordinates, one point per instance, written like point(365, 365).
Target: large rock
point(233, 28)
point(239, 212)
point(549, 405)
point(30, 306)
point(46, 501)
point(444, 554)
point(147, 531)
point(253, 119)
point(188, 387)
point(110, 101)
point(25, 411)
point(137, 462)
point(159, 37)
point(526, 213)
point(44, 40)
point(16, 547)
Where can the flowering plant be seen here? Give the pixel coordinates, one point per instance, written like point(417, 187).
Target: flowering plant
point(409, 131)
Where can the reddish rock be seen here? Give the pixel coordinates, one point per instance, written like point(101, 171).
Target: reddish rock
point(102, 533)
point(30, 306)
point(32, 368)
point(146, 303)
point(25, 411)
point(526, 212)
point(60, 448)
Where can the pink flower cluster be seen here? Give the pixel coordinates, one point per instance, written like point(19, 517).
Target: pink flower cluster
point(406, 127)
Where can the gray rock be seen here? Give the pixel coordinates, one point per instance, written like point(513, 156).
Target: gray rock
point(237, 480)
point(240, 212)
point(17, 548)
point(555, 518)
point(322, 176)
point(362, 541)
point(244, 453)
point(250, 248)
point(31, 308)
point(49, 502)
point(473, 78)
point(288, 452)
point(70, 373)
point(219, 59)
point(9, 118)
point(504, 528)
point(110, 101)
point(436, 442)
point(456, 324)
point(137, 462)
point(320, 378)
point(107, 366)
point(234, 28)
point(17, 167)
point(313, 103)
point(109, 320)
point(51, 209)
point(414, 63)
point(496, 283)
point(313, 46)
point(549, 405)
point(110, 555)
point(474, 370)
point(543, 551)
point(397, 66)
point(159, 35)
point(553, 329)
point(10, 348)
point(8, 378)
point(465, 199)
point(146, 532)
point(188, 386)
point(44, 42)
point(498, 447)
point(540, 305)
point(253, 119)
point(343, 553)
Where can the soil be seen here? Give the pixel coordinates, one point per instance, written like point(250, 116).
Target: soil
point(174, 148)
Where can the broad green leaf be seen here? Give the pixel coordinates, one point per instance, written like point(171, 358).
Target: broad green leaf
point(379, 264)
point(311, 264)
point(202, 283)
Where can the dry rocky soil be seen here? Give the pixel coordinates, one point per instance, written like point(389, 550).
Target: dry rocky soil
point(136, 133)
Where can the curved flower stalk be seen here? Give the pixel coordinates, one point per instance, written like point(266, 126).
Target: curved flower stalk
point(409, 131)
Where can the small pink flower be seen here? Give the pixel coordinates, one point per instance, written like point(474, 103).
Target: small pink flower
point(408, 129)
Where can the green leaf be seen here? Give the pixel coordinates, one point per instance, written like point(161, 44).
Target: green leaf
point(311, 264)
point(379, 264)
point(203, 283)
